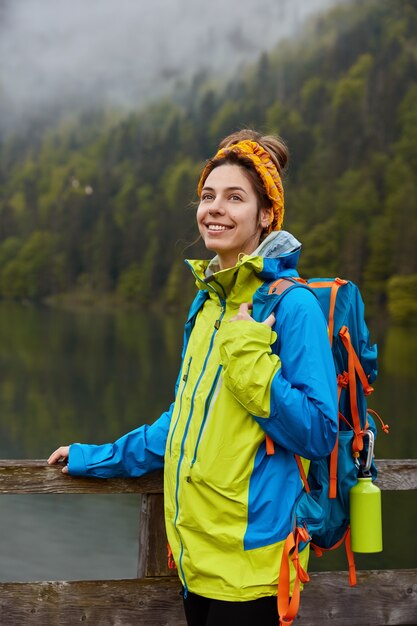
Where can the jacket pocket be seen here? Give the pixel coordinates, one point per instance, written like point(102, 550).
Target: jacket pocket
point(211, 397)
point(185, 380)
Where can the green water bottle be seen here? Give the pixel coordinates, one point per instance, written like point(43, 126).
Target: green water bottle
point(365, 509)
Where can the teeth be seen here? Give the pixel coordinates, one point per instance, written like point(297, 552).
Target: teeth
point(216, 227)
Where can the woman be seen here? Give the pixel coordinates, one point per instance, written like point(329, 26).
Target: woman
point(250, 369)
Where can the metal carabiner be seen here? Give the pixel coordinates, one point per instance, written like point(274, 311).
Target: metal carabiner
point(366, 469)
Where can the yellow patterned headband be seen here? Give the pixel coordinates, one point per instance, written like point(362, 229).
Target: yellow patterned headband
point(267, 171)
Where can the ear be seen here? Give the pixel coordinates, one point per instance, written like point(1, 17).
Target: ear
point(265, 217)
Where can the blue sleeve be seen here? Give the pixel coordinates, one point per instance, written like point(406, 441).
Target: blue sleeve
point(303, 412)
point(136, 453)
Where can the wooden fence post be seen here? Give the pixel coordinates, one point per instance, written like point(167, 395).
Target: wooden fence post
point(152, 559)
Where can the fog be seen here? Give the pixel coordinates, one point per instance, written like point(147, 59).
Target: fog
point(88, 53)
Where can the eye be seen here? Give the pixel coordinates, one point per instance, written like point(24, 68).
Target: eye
point(235, 196)
point(206, 196)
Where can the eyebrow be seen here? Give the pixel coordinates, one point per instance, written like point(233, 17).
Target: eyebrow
point(234, 188)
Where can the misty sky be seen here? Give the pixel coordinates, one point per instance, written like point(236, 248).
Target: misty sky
point(89, 52)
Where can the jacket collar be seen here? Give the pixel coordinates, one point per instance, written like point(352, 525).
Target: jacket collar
point(276, 256)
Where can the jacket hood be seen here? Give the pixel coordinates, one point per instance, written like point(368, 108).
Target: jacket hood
point(280, 252)
point(278, 243)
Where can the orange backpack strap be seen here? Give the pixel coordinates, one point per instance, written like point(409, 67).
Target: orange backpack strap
point(334, 288)
point(354, 367)
point(288, 603)
point(334, 457)
point(318, 550)
point(171, 562)
point(302, 473)
point(279, 286)
point(385, 427)
point(367, 389)
point(342, 381)
point(350, 559)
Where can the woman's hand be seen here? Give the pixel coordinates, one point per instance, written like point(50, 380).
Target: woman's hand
point(244, 315)
point(60, 455)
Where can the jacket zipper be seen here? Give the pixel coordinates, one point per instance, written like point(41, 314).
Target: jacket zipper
point(185, 379)
point(206, 412)
point(216, 327)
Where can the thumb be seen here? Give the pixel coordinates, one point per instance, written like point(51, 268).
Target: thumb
point(245, 308)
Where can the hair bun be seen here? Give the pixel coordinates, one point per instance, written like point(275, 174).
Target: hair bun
point(272, 144)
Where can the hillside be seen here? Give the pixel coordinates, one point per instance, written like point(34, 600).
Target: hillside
point(103, 203)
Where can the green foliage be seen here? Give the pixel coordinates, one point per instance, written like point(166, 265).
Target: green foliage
point(402, 298)
point(179, 183)
point(9, 248)
point(101, 201)
point(406, 147)
point(174, 289)
point(226, 120)
point(350, 91)
point(129, 286)
point(29, 274)
point(320, 251)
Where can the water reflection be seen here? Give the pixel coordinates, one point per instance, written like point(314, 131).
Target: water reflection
point(90, 376)
point(80, 376)
point(67, 377)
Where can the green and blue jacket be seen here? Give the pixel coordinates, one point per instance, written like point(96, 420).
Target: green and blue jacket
point(228, 505)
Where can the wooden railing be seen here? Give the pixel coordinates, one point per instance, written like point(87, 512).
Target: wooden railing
point(381, 598)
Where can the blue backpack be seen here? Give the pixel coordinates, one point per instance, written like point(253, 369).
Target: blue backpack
point(321, 514)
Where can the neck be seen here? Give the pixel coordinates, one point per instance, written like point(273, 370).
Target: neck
point(226, 261)
point(229, 259)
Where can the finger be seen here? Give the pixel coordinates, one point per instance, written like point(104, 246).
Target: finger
point(270, 320)
point(65, 469)
point(58, 454)
point(55, 456)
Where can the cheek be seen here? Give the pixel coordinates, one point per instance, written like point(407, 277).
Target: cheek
point(199, 217)
point(251, 218)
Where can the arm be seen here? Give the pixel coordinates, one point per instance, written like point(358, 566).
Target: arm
point(136, 453)
point(292, 397)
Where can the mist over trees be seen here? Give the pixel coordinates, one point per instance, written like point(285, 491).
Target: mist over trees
point(60, 57)
point(103, 202)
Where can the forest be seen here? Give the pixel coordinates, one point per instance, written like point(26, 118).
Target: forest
point(102, 203)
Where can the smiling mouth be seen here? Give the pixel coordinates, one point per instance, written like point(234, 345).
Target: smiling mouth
point(217, 227)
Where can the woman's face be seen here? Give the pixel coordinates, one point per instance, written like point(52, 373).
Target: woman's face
point(227, 215)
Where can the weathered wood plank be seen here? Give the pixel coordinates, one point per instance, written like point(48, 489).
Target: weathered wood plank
point(152, 602)
point(36, 477)
point(28, 476)
point(381, 598)
point(153, 559)
point(397, 474)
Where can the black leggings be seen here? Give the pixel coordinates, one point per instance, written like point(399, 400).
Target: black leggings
point(201, 611)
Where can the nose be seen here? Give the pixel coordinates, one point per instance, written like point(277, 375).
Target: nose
point(216, 206)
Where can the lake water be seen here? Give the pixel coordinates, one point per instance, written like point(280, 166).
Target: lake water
point(91, 376)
